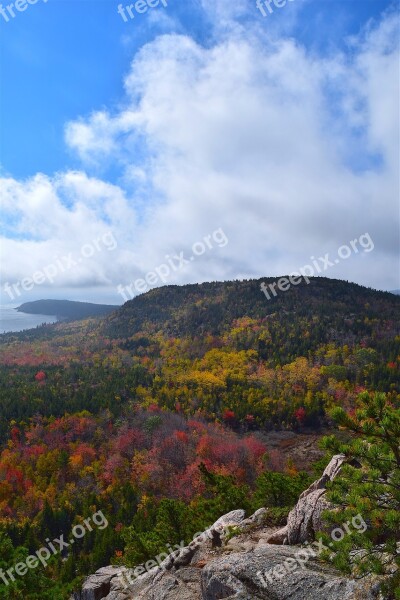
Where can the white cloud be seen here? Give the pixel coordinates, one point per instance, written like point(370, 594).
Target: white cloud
point(291, 155)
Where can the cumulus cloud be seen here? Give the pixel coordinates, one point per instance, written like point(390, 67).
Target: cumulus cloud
point(291, 154)
point(55, 217)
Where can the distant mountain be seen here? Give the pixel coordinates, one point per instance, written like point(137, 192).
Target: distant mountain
point(333, 309)
point(66, 309)
point(397, 292)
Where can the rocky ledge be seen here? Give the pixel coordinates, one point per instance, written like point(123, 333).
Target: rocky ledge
point(239, 559)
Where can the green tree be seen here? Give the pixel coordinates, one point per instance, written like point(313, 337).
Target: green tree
point(159, 524)
point(279, 489)
point(369, 485)
point(35, 584)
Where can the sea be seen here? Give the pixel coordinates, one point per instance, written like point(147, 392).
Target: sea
point(12, 320)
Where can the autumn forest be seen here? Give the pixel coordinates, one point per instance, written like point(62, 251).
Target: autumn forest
point(159, 414)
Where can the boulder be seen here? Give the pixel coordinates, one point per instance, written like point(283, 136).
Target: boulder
point(264, 572)
point(98, 586)
point(305, 520)
point(262, 575)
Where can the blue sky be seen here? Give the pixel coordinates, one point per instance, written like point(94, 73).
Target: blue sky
point(68, 57)
point(64, 62)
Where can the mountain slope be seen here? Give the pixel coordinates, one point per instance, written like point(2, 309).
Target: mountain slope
point(177, 408)
point(208, 308)
point(292, 324)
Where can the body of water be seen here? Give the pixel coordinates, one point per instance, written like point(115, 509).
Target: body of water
point(12, 320)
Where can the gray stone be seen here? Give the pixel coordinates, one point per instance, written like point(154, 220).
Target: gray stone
point(250, 576)
point(233, 518)
point(305, 520)
point(97, 586)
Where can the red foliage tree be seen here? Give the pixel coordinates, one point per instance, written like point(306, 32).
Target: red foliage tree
point(181, 436)
point(256, 448)
point(15, 435)
point(300, 415)
point(228, 415)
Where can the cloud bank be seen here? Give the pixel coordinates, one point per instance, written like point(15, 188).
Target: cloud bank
point(291, 153)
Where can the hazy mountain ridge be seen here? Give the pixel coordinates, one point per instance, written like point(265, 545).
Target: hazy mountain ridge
point(66, 309)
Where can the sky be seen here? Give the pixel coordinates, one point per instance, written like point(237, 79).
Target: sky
point(200, 140)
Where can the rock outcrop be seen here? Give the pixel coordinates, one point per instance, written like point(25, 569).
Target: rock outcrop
point(305, 520)
point(234, 560)
point(98, 586)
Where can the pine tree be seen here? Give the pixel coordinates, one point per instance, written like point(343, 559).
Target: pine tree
point(369, 485)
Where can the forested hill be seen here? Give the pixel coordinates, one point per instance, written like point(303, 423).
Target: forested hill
point(333, 308)
point(175, 409)
point(66, 309)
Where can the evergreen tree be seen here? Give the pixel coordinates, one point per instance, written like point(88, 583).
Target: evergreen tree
point(369, 485)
